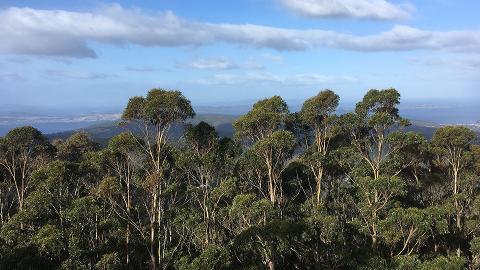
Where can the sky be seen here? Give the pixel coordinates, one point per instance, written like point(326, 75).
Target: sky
point(93, 53)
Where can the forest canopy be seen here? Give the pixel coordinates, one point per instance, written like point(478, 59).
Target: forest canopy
point(311, 189)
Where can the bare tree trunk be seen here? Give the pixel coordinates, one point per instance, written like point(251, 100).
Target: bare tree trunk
point(153, 230)
point(271, 265)
point(319, 186)
point(457, 208)
point(127, 248)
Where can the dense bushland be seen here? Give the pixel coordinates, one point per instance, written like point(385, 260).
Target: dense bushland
point(303, 190)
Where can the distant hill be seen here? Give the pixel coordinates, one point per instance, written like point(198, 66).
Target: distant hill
point(101, 133)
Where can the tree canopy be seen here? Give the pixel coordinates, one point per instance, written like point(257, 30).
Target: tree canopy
point(313, 189)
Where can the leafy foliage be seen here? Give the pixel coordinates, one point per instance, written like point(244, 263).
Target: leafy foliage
point(305, 190)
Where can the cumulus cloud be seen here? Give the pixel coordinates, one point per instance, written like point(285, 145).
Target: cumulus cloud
point(269, 78)
point(359, 9)
point(66, 33)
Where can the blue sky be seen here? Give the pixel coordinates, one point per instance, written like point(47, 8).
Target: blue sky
point(100, 53)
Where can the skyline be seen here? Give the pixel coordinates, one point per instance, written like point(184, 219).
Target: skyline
point(99, 53)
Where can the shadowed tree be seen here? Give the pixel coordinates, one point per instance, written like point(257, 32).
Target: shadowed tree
point(123, 158)
point(207, 161)
point(21, 151)
point(76, 146)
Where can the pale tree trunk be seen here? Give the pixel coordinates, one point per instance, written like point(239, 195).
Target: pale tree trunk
point(457, 206)
point(271, 265)
point(271, 182)
point(319, 185)
point(153, 230)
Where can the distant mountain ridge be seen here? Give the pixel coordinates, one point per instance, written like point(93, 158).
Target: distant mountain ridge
point(102, 132)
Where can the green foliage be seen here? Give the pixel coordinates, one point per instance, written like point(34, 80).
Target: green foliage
point(317, 108)
point(309, 190)
point(454, 137)
point(213, 257)
point(160, 107)
point(76, 146)
point(444, 263)
point(49, 241)
point(266, 116)
point(109, 261)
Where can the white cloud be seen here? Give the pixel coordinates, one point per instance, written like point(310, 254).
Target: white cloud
point(221, 63)
point(76, 75)
point(269, 78)
point(65, 33)
point(359, 9)
point(146, 69)
point(212, 63)
point(462, 67)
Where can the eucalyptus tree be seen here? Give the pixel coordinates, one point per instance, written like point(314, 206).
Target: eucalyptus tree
point(155, 114)
point(274, 152)
point(7, 202)
point(207, 163)
point(407, 230)
point(372, 131)
point(22, 150)
point(452, 147)
point(262, 129)
point(317, 115)
point(265, 117)
point(376, 117)
point(123, 158)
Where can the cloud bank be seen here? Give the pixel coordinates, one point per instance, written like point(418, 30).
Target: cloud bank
point(358, 9)
point(269, 78)
point(70, 34)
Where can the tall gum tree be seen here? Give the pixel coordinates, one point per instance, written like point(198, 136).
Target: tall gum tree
point(452, 146)
point(21, 151)
point(317, 115)
point(155, 114)
point(266, 116)
point(371, 129)
point(203, 162)
point(262, 129)
point(124, 159)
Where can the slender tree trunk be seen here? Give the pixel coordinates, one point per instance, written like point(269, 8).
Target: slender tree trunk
point(153, 230)
point(374, 241)
point(127, 248)
point(271, 186)
point(271, 265)
point(457, 209)
point(319, 186)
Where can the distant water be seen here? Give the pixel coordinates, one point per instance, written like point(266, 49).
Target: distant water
point(47, 128)
point(453, 114)
point(435, 112)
